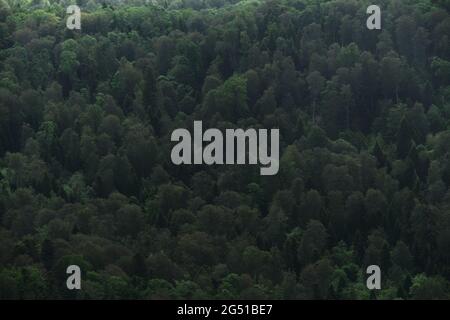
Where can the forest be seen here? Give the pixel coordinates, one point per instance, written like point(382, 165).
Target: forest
point(86, 177)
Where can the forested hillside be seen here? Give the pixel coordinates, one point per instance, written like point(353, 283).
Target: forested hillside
point(85, 171)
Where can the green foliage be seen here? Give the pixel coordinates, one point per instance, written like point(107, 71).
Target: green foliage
point(85, 170)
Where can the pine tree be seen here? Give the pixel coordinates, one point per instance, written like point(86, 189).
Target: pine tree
point(379, 154)
point(138, 265)
point(47, 254)
point(404, 142)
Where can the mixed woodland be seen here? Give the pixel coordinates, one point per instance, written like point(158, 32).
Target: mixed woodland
point(86, 177)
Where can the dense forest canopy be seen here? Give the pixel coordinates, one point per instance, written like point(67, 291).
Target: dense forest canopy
point(85, 170)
